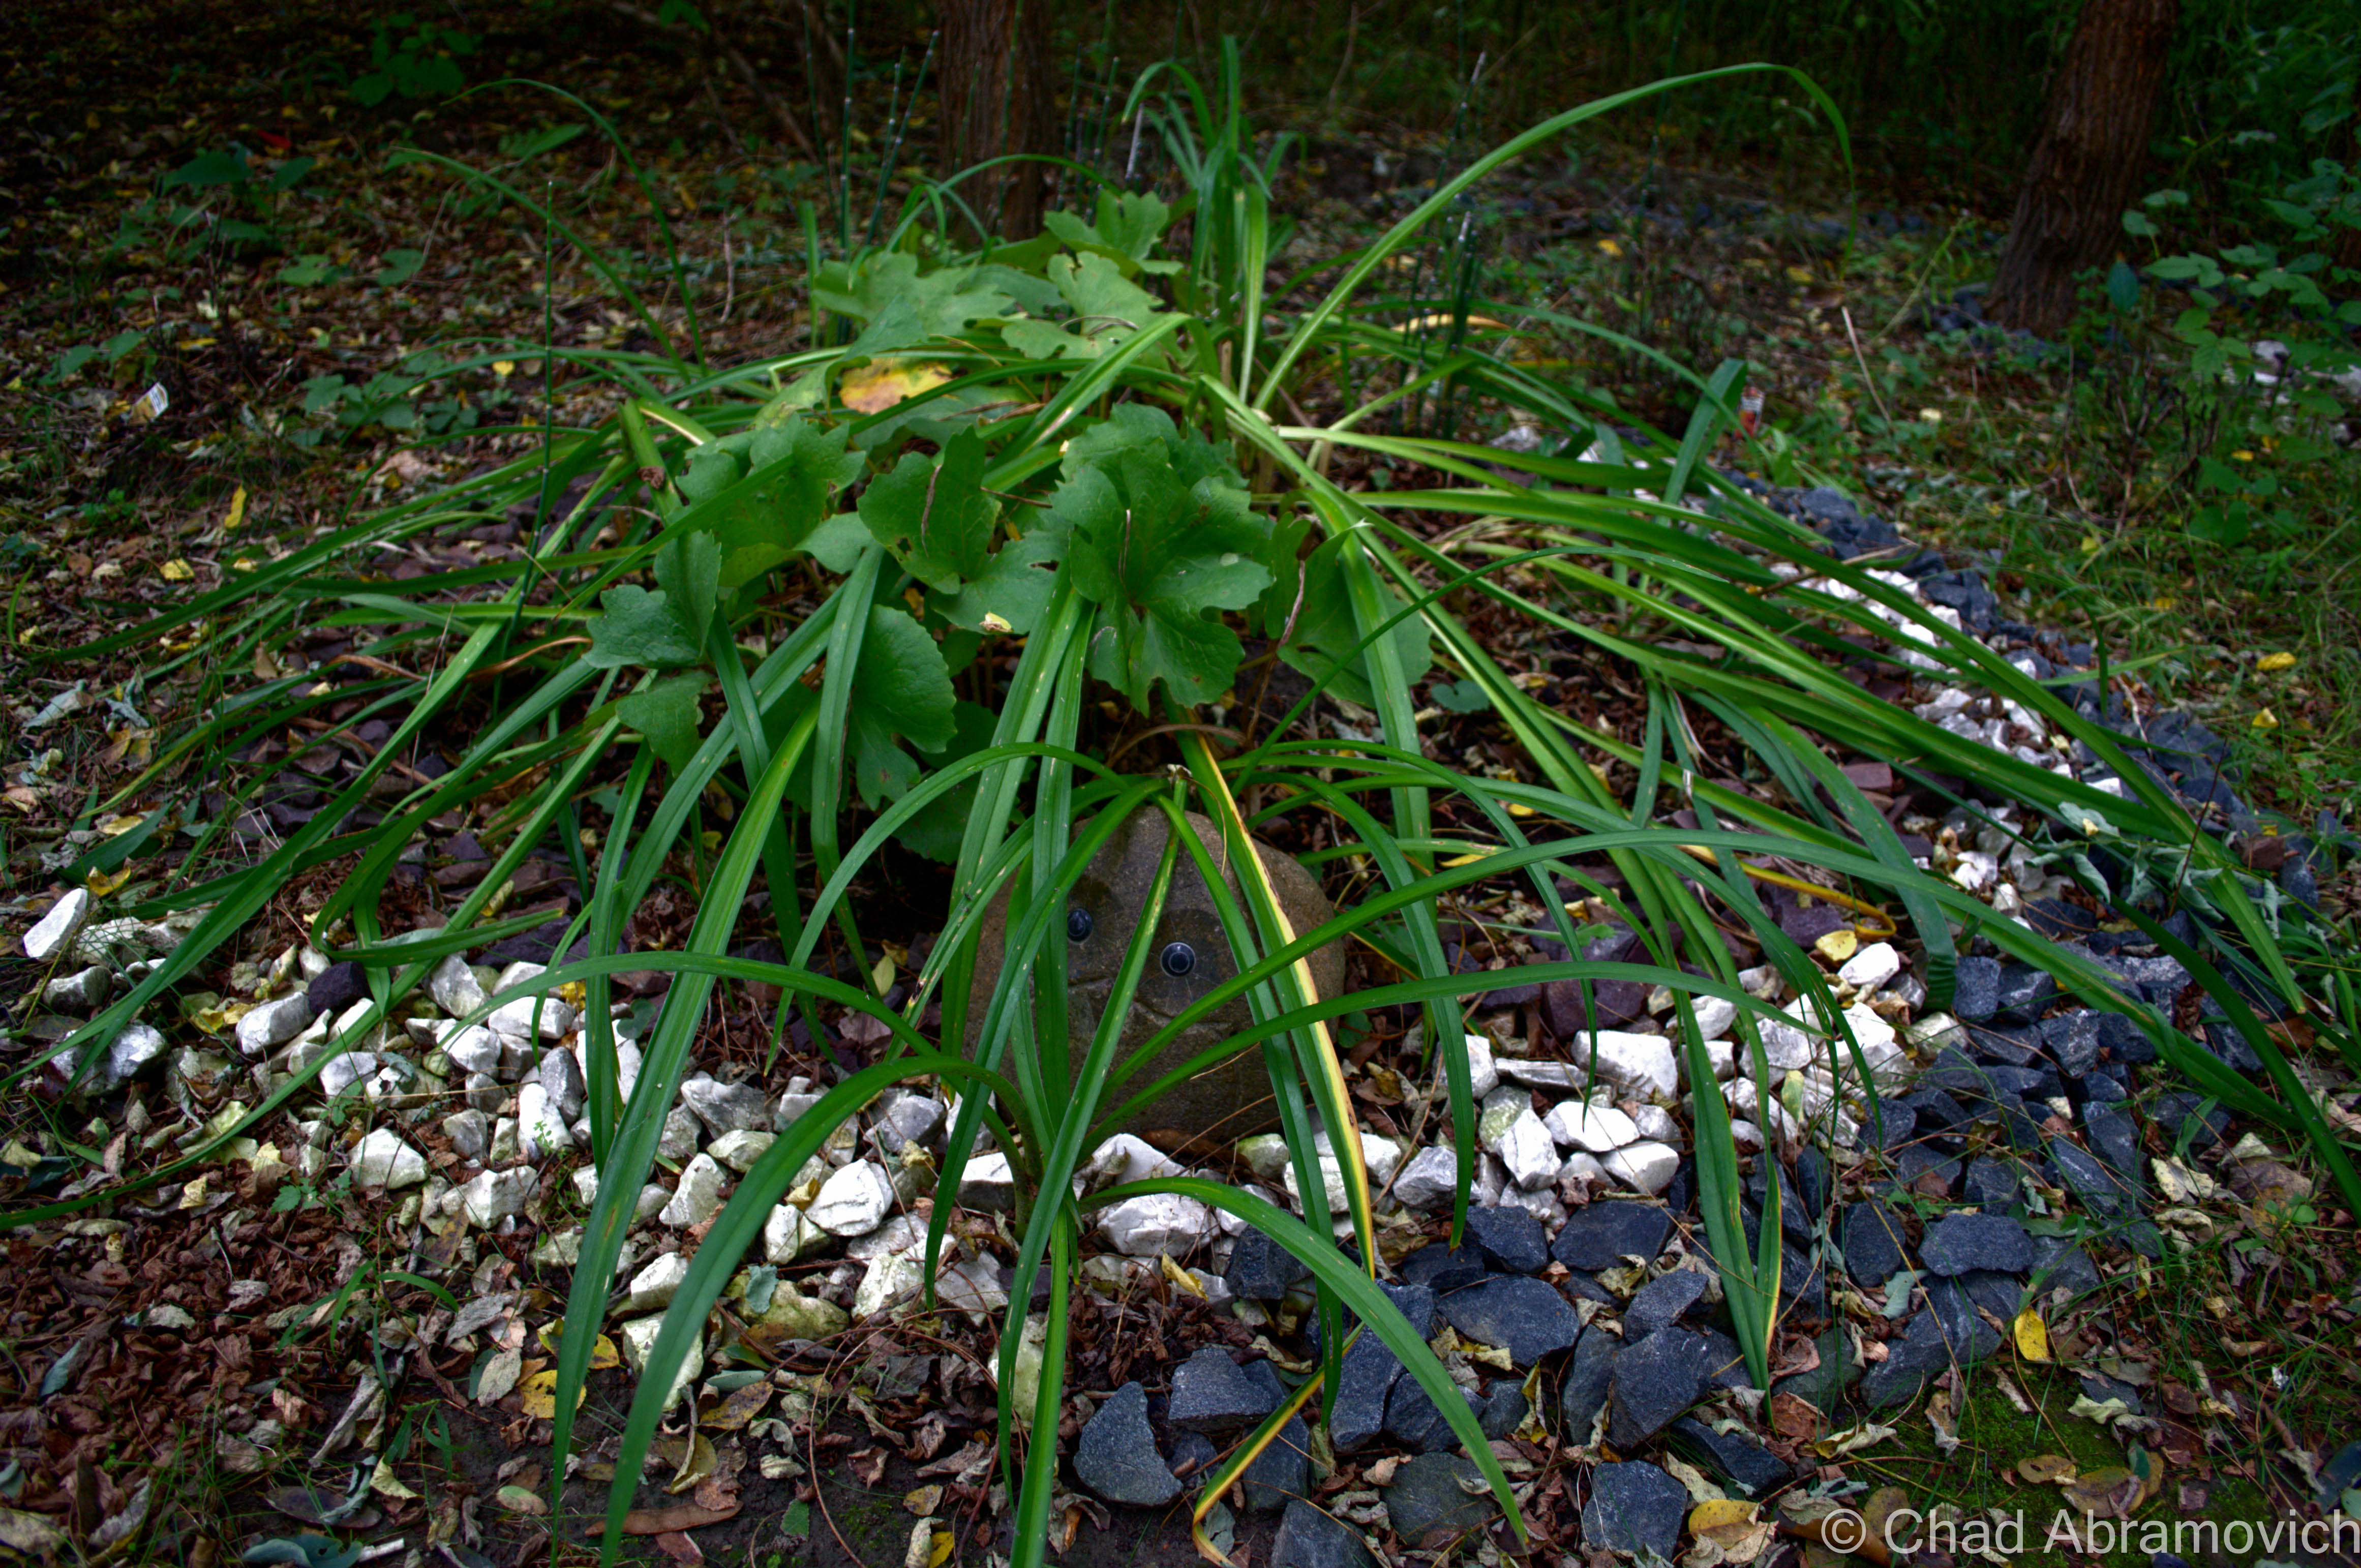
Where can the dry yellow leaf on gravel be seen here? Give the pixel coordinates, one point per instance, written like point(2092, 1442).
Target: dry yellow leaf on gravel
point(2032, 1335)
point(100, 883)
point(878, 386)
point(1839, 945)
point(1719, 1512)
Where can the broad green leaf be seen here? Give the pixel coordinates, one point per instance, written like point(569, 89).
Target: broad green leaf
point(791, 466)
point(1144, 425)
point(936, 832)
point(903, 688)
point(902, 308)
point(689, 569)
point(1128, 226)
point(1012, 591)
point(1155, 555)
point(932, 514)
point(1107, 310)
point(639, 628)
point(666, 713)
point(1326, 633)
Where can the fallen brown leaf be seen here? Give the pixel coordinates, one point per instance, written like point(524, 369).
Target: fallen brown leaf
point(662, 1522)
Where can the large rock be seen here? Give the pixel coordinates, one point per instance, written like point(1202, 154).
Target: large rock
point(1604, 1234)
point(1437, 1498)
point(1526, 1316)
point(1309, 1538)
point(1235, 1098)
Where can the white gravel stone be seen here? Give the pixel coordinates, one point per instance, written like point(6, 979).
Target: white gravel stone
point(382, 1160)
point(740, 1149)
point(637, 1337)
point(561, 1074)
point(541, 1126)
point(1379, 1157)
point(1643, 1167)
point(900, 1233)
point(1656, 1122)
point(515, 974)
point(50, 934)
point(128, 1052)
point(515, 1019)
point(1746, 1135)
point(1714, 1015)
point(483, 1092)
point(1642, 1065)
point(1791, 1046)
point(1265, 1155)
point(1162, 1222)
point(495, 1195)
point(1598, 1128)
point(1723, 1055)
point(274, 1022)
point(854, 1201)
point(698, 1195)
point(893, 1279)
point(1124, 1158)
point(681, 1131)
point(1483, 1072)
point(470, 1133)
point(1870, 967)
point(1526, 1151)
point(345, 1070)
point(1542, 1203)
point(654, 1287)
point(84, 991)
point(454, 987)
point(987, 1184)
point(474, 1049)
point(725, 1107)
point(1549, 1077)
point(789, 1233)
point(905, 1117)
point(1428, 1181)
point(1582, 1166)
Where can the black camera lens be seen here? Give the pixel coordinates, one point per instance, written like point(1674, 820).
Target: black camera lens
point(1178, 958)
point(1078, 924)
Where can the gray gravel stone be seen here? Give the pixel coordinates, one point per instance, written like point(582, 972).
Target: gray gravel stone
point(1993, 1184)
point(1526, 1316)
point(1510, 1238)
point(1872, 1242)
point(1601, 1235)
point(561, 1079)
point(60, 925)
point(1957, 1242)
point(1754, 1467)
point(1587, 1375)
point(1923, 1351)
point(1117, 1455)
point(2114, 1140)
point(1824, 1385)
point(1437, 1498)
point(1663, 1301)
point(1634, 1508)
point(725, 1107)
point(1412, 1420)
point(1260, 1269)
point(1309, 1538)
point(1655, 1379)
point(1211, 1393)
point(1281, 1472)
point(2061, 1264)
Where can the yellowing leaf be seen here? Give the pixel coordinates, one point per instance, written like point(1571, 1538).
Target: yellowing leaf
point(2162, 601)
point(923, 1501)
point(236, 513)
point(1179, 1276)
point(878, 386)
point(1839, 945)
point(177, 570)
point(1609, 248)
point(1721, 1511)
point(2266, 720)
point(938, 1551)
point(2271, 664)
point(115, 826)
point(2032, 1335)
point(1799, 275)
point(382, 1480)
point(100, 883)
point(2091, 542)
point(604, 1358)
point(504, 368)
point(540, 1392)
point(2046, 1469)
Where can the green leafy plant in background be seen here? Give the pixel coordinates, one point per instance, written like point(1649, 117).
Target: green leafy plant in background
point(219, 198)
point(413, 57)
point(1064, 496)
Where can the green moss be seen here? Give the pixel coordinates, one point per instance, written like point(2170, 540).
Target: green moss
point(1995, 1436)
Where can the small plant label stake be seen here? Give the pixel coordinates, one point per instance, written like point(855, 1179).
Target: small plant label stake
point(151, 404)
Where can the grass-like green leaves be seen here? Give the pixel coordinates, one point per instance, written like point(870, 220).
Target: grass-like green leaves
point(921, 663)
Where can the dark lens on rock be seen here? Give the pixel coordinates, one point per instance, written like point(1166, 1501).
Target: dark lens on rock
point(1078, 924)
point(1178, 958)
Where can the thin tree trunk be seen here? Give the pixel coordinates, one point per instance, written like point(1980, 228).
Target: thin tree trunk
point(2085, 169)
point(996, 101)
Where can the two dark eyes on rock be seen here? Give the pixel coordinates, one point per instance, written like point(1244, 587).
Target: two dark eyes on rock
point(1177, 959)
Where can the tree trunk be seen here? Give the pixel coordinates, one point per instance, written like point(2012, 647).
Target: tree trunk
point(995, 101)
point(2086, 167)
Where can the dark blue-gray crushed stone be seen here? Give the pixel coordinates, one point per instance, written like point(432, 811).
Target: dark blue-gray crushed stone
point(1525, 1315)
point(1587, 1375)
point(1309, 1538)
point(1117, 1455)
point(1281, 1471)
point(1211, 1393)
point(1957, 1242)
point(1741, 1458)
point(1634, 1508)
point(1663, 1301)
point(1510, 1237)
point(1601, 1235)
point(1438, 1497)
